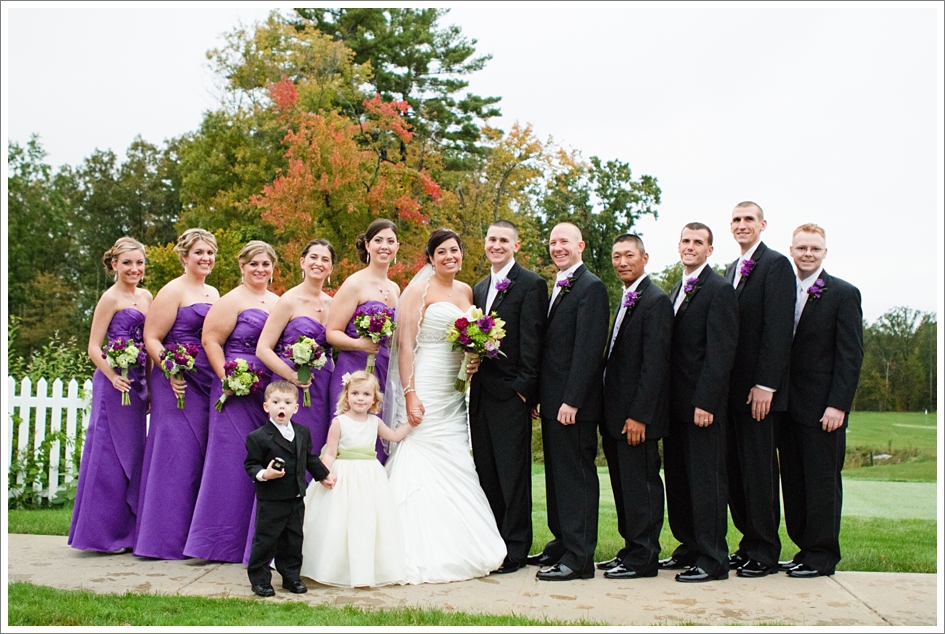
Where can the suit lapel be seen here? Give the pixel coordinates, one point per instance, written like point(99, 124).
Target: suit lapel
point(512, 276)
point(279, 439)
point(561, 294)
point(755, 257)
point(702, 278)
point(299, 448)
point(810, 306)
point(641, 289)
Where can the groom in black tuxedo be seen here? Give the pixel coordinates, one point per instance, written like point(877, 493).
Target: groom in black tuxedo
point(826, 356)
point(570, 402)
point(764, 284)
point(505, 388)
point(636, 410)
point(705, 334)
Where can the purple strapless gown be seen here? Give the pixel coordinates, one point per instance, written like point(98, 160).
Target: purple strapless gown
point(223, 515)
point(354, 360)
point(177, 444)
point(316, 417)
point(106, 502)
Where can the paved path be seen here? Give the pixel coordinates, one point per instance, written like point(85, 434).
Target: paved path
point(846, 599)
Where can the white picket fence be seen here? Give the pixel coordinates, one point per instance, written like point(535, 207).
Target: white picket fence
point(64, 411)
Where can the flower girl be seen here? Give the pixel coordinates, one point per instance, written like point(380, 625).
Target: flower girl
point(352, 533)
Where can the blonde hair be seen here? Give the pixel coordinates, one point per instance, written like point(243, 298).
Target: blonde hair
point(189, 238)
point(810, 227)
point(359, 378)
point(121, 245)
point(254, 248)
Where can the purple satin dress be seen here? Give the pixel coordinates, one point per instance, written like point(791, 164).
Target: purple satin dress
point(353, 360)
point(106, 502)
point(223, 515)
point(316, 417)
point(177, 444)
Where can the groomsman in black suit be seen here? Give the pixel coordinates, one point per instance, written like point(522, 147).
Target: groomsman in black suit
point(636, 410)
point(705, 334)
point(764, 284)
point(570, 401)
point(825, 367)
point(504, 389)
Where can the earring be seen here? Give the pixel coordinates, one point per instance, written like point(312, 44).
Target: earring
point(395, 259)
point(368, 258)
point(242, 281)
point(270, 281)
point(303, 275)
point(329, 279)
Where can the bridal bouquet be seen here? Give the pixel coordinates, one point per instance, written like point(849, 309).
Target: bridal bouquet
point(306, 354)
point(179, 358)
point(378, 324)
point(240, 377)
point(475, 335)
point(123, 354)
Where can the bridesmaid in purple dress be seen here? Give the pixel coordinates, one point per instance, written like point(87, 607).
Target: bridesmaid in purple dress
point(177, 438)
point(377, 247)
point(106, 502)
point(303, 310)
point(222, 517)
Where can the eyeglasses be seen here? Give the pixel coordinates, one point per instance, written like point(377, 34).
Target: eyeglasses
point(812, 250)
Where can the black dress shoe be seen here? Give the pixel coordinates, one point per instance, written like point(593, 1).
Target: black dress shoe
point(753, 569)
point(671, 563)
point(508, 566)
point(698, 575)
point(560, 572)
point(621, 572)
point(610, 564)
point(264, 590)
point(295, 587)
point(786, 565)
point(541, 559)
point(803, 571)
point(736, 561)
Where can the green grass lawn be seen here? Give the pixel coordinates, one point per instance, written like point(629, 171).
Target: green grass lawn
point(896, 430)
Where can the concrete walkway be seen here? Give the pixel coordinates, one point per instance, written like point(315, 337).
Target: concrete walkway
point(846, 599)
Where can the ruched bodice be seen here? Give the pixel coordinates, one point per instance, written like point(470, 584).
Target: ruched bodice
point(127, 323)
point(316, 416)
point(188, 327)
point(242, 341)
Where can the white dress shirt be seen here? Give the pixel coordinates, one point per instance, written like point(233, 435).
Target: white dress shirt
point(738, 267)
point(288, 433)
point(496, 278)
point(682, 285)
point(557, 289)
point(622, 311)
point(802, 294)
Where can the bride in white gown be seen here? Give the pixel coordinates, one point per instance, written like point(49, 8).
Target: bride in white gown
point(449, 530)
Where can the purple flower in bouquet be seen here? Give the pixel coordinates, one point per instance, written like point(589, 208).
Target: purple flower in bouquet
point(486, 323)
point(306, 354)
point(816, 289)
point(631, 300)
point(123, 354)
point(176, 359)
point(691, 286)
point(241, 378)
point(376, 323)
point(476, 335)
point(747, 267)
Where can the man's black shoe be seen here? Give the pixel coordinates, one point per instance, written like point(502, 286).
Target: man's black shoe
point(295, 587)
point(541, 559)
point(736, 561)
point(753, 569)
point(264, 590)
point(610, 564)
point(671, 563)
point(698, 575)
point(620, 572)
point(786, 565)
point(803, 571)
point(560, 572)
point(508, 566)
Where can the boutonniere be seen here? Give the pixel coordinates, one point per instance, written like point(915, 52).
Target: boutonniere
point(691, 286)
point(631, 300)
point(502, 285)
point(747, 267)
point(565, 284)
point(816, 289)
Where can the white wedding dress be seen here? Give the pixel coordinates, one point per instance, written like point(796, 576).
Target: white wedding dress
point(449, 531)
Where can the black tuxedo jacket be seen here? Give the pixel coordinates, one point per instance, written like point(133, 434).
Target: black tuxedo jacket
point(264, 444)
point(574, 347)
point(827, 352)
point(765, 323)
point(705, 336)
point(636, 382)
point(522, 306)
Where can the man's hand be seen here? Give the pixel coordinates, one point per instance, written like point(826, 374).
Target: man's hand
point(636, 432)
point(703, 418)
point(536, 412)
point(567, 415)
point(832, 419)
point(760, 401)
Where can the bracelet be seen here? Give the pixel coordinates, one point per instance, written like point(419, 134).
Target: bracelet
point(408, 391)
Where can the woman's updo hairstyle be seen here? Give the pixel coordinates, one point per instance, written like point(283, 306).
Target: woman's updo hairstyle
point(320, 242)
point(121, 245)
point(254, 248)
point(189, 238)
point(373, 229)
point(437, 238)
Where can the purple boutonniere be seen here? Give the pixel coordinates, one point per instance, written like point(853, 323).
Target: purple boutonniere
point(565, 284)
point(631, 300)
point(816, 289)
point(747, 267)
point(691, 286)
point(502, 285)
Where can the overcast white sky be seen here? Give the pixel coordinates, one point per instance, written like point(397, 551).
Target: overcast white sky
point(820, 113)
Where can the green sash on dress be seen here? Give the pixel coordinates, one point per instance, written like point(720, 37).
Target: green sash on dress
point(358, 452)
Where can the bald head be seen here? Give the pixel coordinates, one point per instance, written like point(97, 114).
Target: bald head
point(565, 245)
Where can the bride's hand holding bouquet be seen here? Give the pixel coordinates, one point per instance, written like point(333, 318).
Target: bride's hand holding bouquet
point(477, 335)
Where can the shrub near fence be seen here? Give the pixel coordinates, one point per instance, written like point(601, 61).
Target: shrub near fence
point(42, 447)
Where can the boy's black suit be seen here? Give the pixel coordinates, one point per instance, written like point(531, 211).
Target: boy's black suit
point(500, 422)
point(571, 365)
point(636, 385)
point(766, 321)
point(280, 505)
point(825, 368)
point(705, 334)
